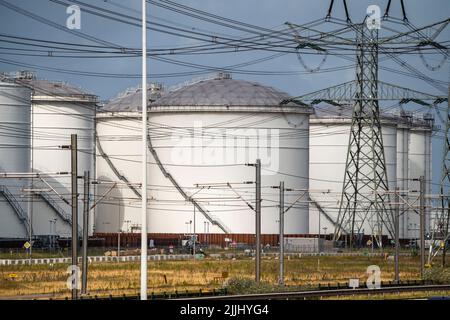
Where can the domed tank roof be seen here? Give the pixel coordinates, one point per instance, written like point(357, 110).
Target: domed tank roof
point(130, 99)
point(51, 90)
point(345, 111)
point(222, 90)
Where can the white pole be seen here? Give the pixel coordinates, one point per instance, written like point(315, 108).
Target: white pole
point(195, 234)
point(144, 156)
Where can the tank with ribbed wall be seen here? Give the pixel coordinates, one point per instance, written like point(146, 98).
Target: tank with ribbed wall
point(329, 136)
point(407, 143)
point(15, 149)
point(58, 110)
point(201, 136)
point(419, 164)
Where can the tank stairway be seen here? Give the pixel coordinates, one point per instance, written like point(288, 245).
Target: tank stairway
point(214, 220)
point(114, 169)
point(56, 207)
point(21, 214)
point(48, 199)
point(324, 213)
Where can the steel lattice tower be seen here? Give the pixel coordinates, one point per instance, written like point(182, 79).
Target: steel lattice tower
point(365, 196)
point(365, 182)
point(445, 182)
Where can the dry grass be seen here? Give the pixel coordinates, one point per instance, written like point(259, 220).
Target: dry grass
point(123, 278)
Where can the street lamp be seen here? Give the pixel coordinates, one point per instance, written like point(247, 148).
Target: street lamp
point(127, 228)
point(195, 234)
point(144, 244)
point(118, 229)
point(318, 240)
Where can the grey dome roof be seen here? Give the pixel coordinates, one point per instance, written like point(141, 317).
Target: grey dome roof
point(130, 99)
point(56, 88)
point(49, 89)
point(223, 91)
point(345, 111)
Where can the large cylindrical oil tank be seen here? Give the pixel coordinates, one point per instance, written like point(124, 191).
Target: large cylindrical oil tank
point(419, 164)
point(403, 135)
point(329, 137)
point(14, 156)
point(205, 138)
point(59, 110)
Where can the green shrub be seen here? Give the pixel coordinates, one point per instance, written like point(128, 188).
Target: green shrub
point(438, 275)
point(241, 285)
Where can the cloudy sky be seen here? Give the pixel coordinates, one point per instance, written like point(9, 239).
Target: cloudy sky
point(265, 13)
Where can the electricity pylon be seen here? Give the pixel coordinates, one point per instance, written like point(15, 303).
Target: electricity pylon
point(365, 181)
point(445, 183)
point(365, 191)
point(440, 234)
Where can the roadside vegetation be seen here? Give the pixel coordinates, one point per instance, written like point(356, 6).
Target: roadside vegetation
point(236, 274)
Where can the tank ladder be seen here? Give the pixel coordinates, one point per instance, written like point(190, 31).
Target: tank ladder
point(21, 214)
point(324, 213)
point(213, 219)
point(114, 169)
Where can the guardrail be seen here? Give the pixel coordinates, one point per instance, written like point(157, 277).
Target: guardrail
point(162, 257)
point(156, 257)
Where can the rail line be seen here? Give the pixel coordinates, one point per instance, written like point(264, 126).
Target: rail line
point(326, 293)
point(337, 289)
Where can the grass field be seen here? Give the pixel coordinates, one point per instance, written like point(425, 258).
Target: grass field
point(123, 278)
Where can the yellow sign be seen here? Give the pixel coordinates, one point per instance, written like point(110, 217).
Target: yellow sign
point(27, 245)
point(12, 275)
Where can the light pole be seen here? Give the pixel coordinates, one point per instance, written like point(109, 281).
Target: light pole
point(281, 236)
point(127, 225)
point(144, 156)
point(74, 206)
point(207, 231)
point(257, 166)
point(195, 234)
point(118, 230)
point(422, 225)
point(318, 241)
point(204, 230)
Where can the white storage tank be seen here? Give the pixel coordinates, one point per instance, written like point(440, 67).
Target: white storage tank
point(118, 163)
point(59, 110)
point(14, 156)
point(329, 136)
point(419, 164)
point(202, 135)
point(403, 137)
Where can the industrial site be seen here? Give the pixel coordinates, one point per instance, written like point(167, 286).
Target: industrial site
point(289, 151)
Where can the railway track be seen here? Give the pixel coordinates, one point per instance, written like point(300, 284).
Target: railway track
point(221, 294)
point(327, 293)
